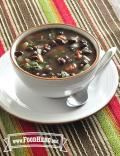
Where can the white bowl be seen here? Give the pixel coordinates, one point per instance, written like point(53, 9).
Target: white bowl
point(56, 87)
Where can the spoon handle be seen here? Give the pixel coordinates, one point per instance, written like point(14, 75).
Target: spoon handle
point(105, 59)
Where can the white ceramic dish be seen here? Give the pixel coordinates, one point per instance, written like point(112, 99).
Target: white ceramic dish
point(60, 87)
point(18, 100)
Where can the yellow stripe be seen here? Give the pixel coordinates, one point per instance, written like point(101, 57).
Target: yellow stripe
point(110, 115)
point(19, 129)
point(40, 12)
point(50, 11)
point(53, 7)
point(101, 135)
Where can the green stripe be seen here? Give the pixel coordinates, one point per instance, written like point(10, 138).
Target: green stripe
point(49, 12)
point(10, 128)
point(110, 131)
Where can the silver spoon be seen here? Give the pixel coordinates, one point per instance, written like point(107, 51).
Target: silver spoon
point(81, 97)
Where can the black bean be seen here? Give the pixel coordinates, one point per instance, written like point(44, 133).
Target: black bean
point(34, 48)
point(33, 57)
point(18, 53)
point(47, 47)
point(86, 51)
point(68, 59)
point(61, 39)
point(44, 52)
point(59, 75)
point(60, 33)
point(83, 41)
point(83, 44)
point(61, 60)
point(84, 61)
point(34, 53)
point(86, 58)
point(53, 43)
point(51, 74)
point(58, 41)
point(71, 42)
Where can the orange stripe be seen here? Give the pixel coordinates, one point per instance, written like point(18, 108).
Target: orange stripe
point(111, 116)
point(64, 12)
point(56, 12)
point(19, 129)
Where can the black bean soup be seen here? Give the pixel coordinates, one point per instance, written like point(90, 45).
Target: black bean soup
point(55, 53)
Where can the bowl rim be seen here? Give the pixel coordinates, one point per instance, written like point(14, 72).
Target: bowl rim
point(54, 25)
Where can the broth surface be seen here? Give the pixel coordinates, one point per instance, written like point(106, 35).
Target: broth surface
point(55, 53)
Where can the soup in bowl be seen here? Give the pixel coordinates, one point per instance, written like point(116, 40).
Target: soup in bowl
point(56, 60)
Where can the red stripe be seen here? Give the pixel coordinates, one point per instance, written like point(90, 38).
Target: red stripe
point(1, 49)
point(30, 127)
point(26, 126)
point(68, 19)
point(65, 14)
point(114, 107)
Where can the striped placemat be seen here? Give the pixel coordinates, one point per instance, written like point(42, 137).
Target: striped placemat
point(98, 135)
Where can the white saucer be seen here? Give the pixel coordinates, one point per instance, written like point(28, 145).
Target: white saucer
point(18, 100)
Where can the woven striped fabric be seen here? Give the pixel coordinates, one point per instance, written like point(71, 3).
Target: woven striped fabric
point(97, 135)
